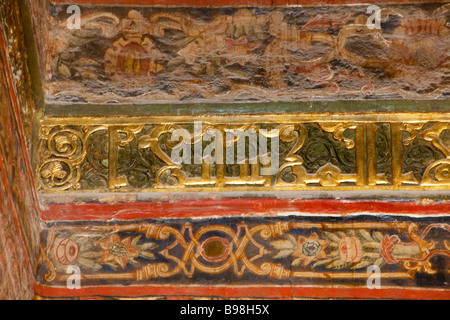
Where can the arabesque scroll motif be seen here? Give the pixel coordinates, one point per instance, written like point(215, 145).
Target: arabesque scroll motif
point(277, 250)
point(64, 150)
point(308, 154)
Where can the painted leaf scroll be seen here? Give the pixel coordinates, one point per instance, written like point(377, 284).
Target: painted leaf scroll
point(155, 55)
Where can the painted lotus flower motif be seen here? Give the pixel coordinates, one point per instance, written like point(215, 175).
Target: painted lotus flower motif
point(304, 249)
point(309, 249)
point(118, 250)
point(93, 253)
point(66, 250)
point(353, 249)
point(350, 249)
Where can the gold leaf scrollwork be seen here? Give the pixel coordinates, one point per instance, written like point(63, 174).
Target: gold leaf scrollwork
point(62, 151)
point(312, 154)
point(289, 133)
point(170, 175)
point(338, 129)
point(433, 135)
point(329, 175)
point(413, 130)
point(299, 134)
point(439, 169)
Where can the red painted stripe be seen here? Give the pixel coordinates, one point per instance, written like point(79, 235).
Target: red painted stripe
point(248, 291)
point(223, 3)
point(231, 207)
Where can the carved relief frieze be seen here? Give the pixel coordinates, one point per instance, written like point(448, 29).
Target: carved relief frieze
point(270, 152)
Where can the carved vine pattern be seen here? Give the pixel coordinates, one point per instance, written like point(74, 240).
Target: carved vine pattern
point(310, 155)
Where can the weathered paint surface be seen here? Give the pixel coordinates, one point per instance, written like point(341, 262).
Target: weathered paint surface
point(291, 252)
point(126, 54)
point(19, 234)
point(116, 86)
point(19, 217)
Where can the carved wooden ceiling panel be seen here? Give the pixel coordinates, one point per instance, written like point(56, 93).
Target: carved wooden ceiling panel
point(241, 149)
